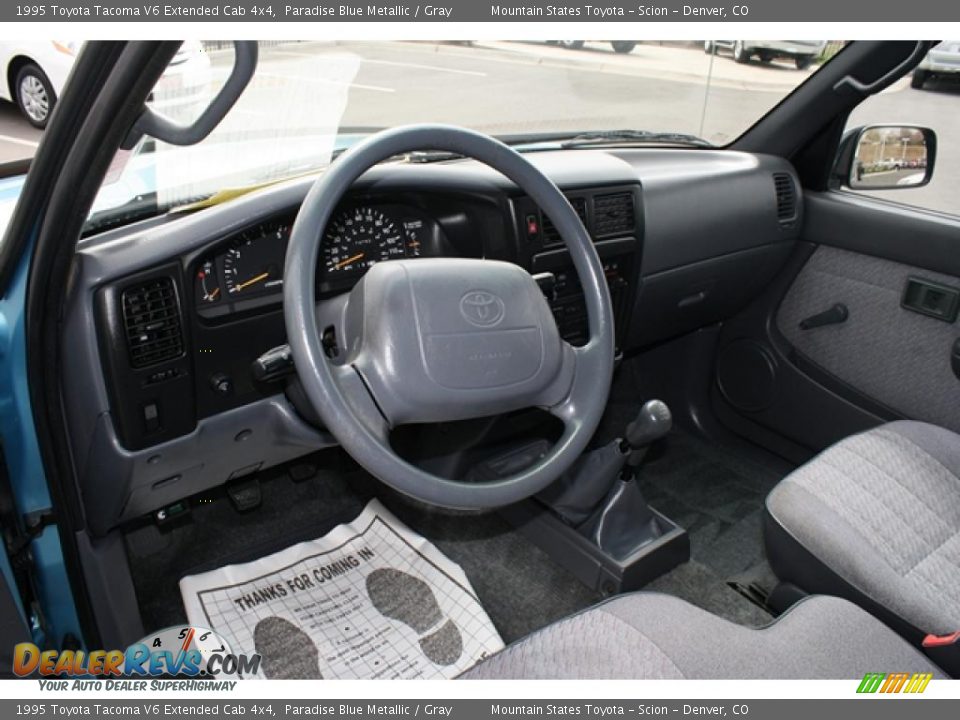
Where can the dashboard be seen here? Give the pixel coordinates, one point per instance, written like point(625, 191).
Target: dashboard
point(246, 272)
point(170, 317)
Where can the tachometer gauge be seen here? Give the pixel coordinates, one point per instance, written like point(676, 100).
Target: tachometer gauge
point(254, 262)
point(358, 238)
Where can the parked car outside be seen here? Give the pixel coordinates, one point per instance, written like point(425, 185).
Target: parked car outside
point(942, 62)
point(34, 73)
point(619, 46)
point(802, 52)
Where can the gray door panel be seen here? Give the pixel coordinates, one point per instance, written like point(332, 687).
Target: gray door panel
point(881, 229)
point(895, 356)
point(883, 363)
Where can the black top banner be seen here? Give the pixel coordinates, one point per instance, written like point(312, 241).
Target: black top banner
point(483, 11)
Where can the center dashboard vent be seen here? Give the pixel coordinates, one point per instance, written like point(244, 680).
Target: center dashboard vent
point(151, 321)
point(786, 198)
point(551, 236)
point(613, 214)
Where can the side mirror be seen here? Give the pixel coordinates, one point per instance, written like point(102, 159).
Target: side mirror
point(886, 157)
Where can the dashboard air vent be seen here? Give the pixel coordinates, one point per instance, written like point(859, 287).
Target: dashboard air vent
point(550, 234)
point(613, 214)
point(151, 321)
point(786, 198)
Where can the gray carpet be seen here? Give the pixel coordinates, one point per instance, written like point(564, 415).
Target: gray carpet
point(717, 496)
point(518, 585)
point(715, 493)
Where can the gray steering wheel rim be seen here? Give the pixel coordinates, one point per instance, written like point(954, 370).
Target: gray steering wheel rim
point(580, 411)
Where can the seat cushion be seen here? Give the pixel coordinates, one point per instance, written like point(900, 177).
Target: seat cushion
point(881, 512)
point(654, 636)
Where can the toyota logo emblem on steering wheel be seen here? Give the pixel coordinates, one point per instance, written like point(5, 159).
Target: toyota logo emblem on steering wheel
point(481, 308)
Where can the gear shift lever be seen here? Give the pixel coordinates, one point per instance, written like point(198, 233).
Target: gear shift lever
point(625, 522)
point(600, 476)
point(652, 423)
point(595, 521)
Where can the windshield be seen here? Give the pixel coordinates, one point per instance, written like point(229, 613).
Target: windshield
point(309, 100)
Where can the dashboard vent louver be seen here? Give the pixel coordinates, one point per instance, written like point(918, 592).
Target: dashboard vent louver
point(786, 198)
point(151, 321)
point(613, 214)
point(550, 234)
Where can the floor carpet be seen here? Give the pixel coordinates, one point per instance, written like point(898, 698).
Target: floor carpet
point(716, 493)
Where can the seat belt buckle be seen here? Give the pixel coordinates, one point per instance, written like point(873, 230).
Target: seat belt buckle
point(944, 650)
point(939, 641)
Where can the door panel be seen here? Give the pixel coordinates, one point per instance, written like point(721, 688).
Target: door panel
point(881, 363)
point(887, 230)
point(898, 357)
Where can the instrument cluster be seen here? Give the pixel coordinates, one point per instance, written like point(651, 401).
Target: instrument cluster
point(246, 271)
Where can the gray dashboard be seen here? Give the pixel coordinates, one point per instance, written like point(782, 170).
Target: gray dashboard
point(688, 236)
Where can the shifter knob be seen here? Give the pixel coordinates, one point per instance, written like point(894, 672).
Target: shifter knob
point(652, 423)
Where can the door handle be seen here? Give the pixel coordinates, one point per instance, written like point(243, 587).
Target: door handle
point(834, 316)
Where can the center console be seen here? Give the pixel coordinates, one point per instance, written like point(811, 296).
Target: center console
point(613, 219)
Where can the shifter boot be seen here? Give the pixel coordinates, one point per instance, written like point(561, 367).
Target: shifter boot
point(625, 522)
point(577, 493)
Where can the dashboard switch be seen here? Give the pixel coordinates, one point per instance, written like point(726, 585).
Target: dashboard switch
point(533, 227)
point(221, 384)
point(151, 417)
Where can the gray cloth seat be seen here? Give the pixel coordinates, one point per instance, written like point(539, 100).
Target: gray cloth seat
point(654, 636)
point(876, 519)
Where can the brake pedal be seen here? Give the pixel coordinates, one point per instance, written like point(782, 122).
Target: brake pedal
point(245, 494)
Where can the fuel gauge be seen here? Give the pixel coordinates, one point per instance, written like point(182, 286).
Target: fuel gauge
point(207, 284)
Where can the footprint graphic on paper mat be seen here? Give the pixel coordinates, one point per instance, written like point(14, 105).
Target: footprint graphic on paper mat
point(410, 600)
point(286, 652)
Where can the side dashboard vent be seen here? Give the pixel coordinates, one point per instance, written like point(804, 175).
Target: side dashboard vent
point(550, 234)
point(151, 321)
point(786, 198)
point(614, 214)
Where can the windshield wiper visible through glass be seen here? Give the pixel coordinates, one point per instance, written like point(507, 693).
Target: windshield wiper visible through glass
point(602, 137)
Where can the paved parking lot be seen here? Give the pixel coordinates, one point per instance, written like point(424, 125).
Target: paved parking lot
point(512, 87)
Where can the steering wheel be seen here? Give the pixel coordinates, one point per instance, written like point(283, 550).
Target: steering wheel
point(444, 339)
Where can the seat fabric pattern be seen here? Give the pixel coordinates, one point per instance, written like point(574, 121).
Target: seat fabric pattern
point(653, 636)
point(882, 510)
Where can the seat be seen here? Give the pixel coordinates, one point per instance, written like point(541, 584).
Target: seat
point(655, 636)
point(876, 519)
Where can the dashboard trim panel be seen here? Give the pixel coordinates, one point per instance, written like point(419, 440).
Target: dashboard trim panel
point(692, 208)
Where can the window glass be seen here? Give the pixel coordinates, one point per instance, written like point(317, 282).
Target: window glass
point(929, 97)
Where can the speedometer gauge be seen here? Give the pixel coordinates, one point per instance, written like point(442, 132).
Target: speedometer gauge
point(360, 237)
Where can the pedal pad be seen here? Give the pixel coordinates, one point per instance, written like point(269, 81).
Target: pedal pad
point(245, 494)
point(302, 471)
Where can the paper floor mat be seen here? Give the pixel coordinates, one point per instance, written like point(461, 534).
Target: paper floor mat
point(371, 599)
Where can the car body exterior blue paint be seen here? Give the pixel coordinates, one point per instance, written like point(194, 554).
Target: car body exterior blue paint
point(22, 453)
